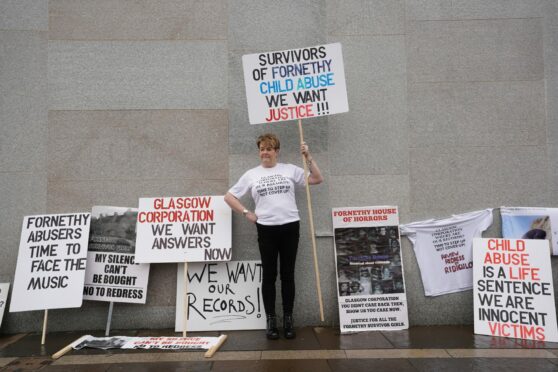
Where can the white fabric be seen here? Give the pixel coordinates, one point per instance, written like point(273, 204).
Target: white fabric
point(273, 191)
point(444, 250)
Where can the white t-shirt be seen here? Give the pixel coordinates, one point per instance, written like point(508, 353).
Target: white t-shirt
point(444, 250)
point(273, 191)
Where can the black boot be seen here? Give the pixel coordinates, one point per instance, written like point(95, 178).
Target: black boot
point(288, 326)
point(272, 333)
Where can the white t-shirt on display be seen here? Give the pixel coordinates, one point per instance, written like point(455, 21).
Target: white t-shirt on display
point(273, 191)
point(444, 250)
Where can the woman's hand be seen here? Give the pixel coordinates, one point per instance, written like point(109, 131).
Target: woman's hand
point(304, 150)
point(251, 216)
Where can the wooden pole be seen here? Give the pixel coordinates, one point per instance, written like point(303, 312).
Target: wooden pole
point(62, 351)
point(109, 318)
point(209, 353)
point(185, 291)
point(45, 321)
point(311, 218)
point(68, 347)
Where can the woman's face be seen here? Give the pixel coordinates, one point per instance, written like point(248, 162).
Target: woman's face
point(268, 155)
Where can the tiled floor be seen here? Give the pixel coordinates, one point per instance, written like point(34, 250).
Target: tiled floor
point(315, 349)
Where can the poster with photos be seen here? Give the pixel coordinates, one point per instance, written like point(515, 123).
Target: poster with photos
point(531, 223)
point(370, 280)
point(112, 274)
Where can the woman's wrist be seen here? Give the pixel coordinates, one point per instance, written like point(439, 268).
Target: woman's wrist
point(309, 161)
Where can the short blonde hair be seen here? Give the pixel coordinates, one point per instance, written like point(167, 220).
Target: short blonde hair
point(269, 139)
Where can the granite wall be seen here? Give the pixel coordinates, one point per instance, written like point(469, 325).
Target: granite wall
point(453, 107)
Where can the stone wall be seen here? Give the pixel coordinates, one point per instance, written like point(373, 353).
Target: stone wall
point(453, 107)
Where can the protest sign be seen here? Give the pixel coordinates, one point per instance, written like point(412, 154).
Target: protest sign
point(51, 262)
point(211, 344)
point(513, 289)
point(370, 280)
point(165, 343)
point(112, 274)
point(183, 229)
point(295, 84)
point(221, 296)
point(531, 223)
point(4, 288)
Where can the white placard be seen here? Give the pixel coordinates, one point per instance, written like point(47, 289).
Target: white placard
point(165, 343)
point(183, 229)
point(4, 289)
point(222, 296)
point(295, 84)
point(112, 274)
point(531, 223)
point(370, 280)
point(513, 289)
point(51, 262)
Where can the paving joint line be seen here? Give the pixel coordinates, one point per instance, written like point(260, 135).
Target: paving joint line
point(317, 354)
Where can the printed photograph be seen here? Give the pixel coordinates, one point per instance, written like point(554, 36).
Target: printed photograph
point(113, 229)
point(368, 260)
point(527, 227)
point(102, 342)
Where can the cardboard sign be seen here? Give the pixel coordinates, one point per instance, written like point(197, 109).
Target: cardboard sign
point(221, 296)
point(295, 84)
point(183, 229)
point(531, 223)
point(370, 280)
point(51, 262)
point(112, 274)
point(4, 288)
point(513, 289)
point(165, 343)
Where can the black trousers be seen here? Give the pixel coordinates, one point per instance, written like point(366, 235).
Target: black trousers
point(280, 241)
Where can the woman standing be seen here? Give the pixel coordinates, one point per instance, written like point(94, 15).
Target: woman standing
point(272, 186)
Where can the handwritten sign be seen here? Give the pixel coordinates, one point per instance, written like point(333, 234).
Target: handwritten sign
point(183, 229)
point(370, 281)
point(112, 274)
point(513, 289)
point(4, 288)
point(51, 262)
point(295, 84)
point(221, 296)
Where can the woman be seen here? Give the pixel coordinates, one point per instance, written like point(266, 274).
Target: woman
point(272, 186)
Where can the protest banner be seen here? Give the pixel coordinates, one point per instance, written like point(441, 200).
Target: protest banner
point(4, 288)
point(183, 229)
point(513, 289)
point(211, 344)
point(221, 296)
point(51, 262)
point(370, 280)
point(531, 223)
point(112, 274)
point(295, 84)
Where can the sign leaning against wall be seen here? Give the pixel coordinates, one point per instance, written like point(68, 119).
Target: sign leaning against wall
point(370, 280)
